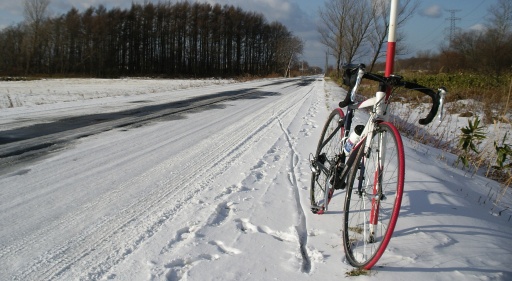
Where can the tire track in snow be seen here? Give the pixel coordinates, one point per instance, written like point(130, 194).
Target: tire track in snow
point(222, 213)
point(94, 251)
point(130, 213)
point(301, 228)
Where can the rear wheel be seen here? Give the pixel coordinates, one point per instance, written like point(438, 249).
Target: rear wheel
point(327, 162)
point(373, 197)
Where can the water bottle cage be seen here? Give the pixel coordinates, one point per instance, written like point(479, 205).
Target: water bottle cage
point(353, 139)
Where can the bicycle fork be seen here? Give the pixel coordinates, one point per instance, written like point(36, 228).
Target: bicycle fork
point(377, 187)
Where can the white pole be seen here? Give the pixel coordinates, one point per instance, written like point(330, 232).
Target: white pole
point(390, 55)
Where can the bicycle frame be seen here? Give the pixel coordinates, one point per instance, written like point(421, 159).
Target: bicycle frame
point(378, 114)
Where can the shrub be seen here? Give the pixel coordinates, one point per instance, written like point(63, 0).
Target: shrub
point(470, 137)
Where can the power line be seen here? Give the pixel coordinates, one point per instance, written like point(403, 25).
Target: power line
point(472, 11)
point(432, 36)
point(473, 20)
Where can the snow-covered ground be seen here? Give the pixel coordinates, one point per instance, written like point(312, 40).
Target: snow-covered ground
point(221, 193)
point(44, 91)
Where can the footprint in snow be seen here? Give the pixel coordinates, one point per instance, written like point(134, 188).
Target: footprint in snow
point(181, 235)
point(222, 213)
point(178, 268)
point(245, 226)
point(225, 249)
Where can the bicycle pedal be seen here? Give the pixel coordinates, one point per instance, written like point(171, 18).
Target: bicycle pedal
point(317, 210)
point(313, 168)
point(371, 239)
point(313, 164)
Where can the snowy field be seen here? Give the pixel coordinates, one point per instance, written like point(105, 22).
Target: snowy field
point(221, 192)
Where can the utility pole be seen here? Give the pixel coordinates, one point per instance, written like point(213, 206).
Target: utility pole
point(453, 19)
point(326, 62)
point(287, 74)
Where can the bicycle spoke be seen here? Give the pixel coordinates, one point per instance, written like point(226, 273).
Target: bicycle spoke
point(376, 173)
point(325, 162)
point(373, 198)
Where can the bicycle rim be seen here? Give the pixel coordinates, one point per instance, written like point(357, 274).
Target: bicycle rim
point(326, 157)
point(373, 197)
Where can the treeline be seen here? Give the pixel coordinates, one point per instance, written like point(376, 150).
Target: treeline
point(164, 39)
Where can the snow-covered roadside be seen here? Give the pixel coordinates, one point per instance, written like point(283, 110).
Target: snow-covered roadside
point(246, 216)
point(48, 91)
point(22, 103)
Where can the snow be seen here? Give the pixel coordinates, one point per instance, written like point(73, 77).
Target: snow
point(221, 193)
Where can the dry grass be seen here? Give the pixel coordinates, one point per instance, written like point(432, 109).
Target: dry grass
point(358, 272)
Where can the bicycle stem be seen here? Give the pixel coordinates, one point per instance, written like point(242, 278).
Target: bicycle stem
point(360, 74)
point(442, 94)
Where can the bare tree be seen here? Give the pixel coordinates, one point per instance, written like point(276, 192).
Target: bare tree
point(345, 27)
point(357, 31)
point(348, 28)
point(35, 12)
point(501, 16)
point(334, 21)
point(288, 50)
point(489, 50)
point(497, 46)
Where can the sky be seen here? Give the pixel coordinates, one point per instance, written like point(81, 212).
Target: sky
point(425, 31)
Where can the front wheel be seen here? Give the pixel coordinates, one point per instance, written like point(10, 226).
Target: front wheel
point(373, 197)
point(327, 162)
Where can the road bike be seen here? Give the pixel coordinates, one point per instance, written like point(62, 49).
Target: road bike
point(367, 162)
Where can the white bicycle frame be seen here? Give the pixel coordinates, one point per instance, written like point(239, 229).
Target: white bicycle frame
point(379, 104)
point(378, 112)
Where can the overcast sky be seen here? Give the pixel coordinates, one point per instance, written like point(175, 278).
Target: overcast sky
point(425, 31)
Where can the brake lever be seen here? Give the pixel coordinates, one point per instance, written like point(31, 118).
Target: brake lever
point(442, 93)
